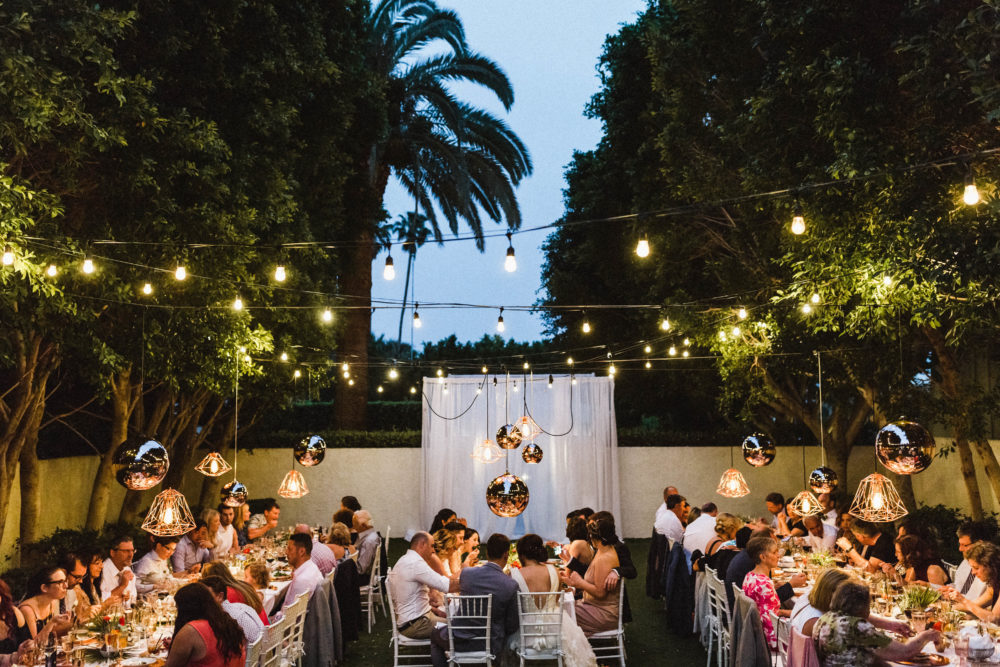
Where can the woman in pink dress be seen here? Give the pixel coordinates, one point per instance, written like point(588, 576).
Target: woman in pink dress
point(204, 634)
point(758, 585)
point(598, 610)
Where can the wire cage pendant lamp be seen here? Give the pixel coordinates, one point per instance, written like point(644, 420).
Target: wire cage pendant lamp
point(732, 484)
point(877, 500)
point(213, 465)
point(169, 515)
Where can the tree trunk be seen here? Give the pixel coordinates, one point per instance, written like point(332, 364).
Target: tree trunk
point(121, 409)
point(968, 466)
point(350, 403)
point(31, 480)
point(985, 451)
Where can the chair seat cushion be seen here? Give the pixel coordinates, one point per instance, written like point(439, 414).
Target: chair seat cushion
point(607, 634)
point(406, 641)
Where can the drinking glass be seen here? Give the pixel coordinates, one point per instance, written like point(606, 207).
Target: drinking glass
point(961, 644)
point(918, 620)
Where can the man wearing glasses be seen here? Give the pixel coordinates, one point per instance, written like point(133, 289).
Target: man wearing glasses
point(75, 601)
point(117, 578)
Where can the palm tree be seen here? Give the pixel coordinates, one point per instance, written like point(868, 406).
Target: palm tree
point(452, 157)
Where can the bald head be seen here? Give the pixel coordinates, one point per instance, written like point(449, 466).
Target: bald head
point(362, 520)
point(669, 491)
point(422, 543)
point(303, 529)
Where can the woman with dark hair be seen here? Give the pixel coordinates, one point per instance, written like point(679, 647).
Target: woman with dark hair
point(236, 591)
point(470, 547)
point(984, 561)
point(13, 629)
point(204, 634)
point(41, 610)
point(919, 559)
point(598, 610)
point(578, 554)
point(441, 519)
point(91, 584)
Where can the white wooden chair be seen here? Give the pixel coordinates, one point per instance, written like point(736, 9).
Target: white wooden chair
point(951, 570)
point(610, 644)
point(782, 631)
point(710, 620)
point(296, 613)
point(372, 591)
point(540, 616)
point(470, 615)
point(719, 606)
point(254, 651)
point(272, 643)
point(405, 651)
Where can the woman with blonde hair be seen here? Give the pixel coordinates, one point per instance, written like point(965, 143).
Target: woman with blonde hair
point(339, 541)
point(240, 524)
point(211, 518)
point(445, 549)
point(236, 590)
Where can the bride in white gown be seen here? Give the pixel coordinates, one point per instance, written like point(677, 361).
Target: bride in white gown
point(537, 576)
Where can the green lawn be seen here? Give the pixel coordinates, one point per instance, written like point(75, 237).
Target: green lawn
point(647, 641)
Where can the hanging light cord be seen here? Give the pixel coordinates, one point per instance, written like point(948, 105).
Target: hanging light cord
point(460, 414)
point(822, 430)
point(571, 419)
point(236, 417)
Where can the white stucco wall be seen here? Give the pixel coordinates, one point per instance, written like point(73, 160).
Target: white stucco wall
point(388, 483)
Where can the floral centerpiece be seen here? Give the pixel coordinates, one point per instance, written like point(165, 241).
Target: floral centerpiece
point(918, 597)
point(107, 623)
point(821, 559)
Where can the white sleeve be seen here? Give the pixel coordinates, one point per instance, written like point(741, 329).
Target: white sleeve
point(425, 575)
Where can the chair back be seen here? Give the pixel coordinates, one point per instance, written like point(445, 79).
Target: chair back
point(718, 602)
point(271, 643)
point(540, 616)
point(469, 627)
point(801, 650)
point(254, 651)
point(388, 594)
point(781, 631)
point(952, 570)
point(296, 613)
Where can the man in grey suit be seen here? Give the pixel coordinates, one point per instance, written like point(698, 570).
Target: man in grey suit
point(488, 578)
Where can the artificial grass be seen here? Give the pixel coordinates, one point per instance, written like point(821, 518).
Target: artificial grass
point(647, 641)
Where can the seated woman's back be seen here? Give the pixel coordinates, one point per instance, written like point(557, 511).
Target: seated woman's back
point(538, 578)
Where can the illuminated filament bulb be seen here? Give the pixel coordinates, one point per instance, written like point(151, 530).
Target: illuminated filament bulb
point(500, 325)
point(685, 353)
point(88, 265)
point(569, 361)
point(736, 331)
point(180, 273)
point(416, 320)
point(510, 262)
point(878, 500)
point(8, 256)
point(611, 369)
point(806, 308)
point(413, 390)
point(971, 194)
point(389, 272)
point(393, 374)
point(586, 325)
point(741, 313)
point(647, 349)
point(665, 324)
point(279, 274)
point(297, 374)
point(649, 364)
point(345, 367)
point(887, 281)
point(237, 304)
point(798, 222)
point(380, 389)
point(284, 356)
point(168, 515)
point(672, 351)
point(52, 270)
point(147, 289)
point(815, 298)
point(327, 315)
point(642, 247)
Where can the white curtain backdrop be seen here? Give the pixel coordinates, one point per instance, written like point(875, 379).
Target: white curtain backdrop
point(580, 463)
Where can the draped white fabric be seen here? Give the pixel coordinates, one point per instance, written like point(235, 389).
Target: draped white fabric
point(580, 463)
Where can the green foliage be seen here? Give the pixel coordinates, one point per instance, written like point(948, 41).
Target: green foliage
point(942, 522)
point(339, 439)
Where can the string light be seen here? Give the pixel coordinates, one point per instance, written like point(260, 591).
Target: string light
point(510, 263)
point(665, 324)
point(500, 326)
point(284, 356)
point(393, 373)
point(180, 273)
point(551, 380)
point(440, 372)
point(237, 304)
point(350, 383)
point(798, 220)
point(736, 331)
point(413, 390)
point(526, 366)
point(380, 389)
point(147, 289)
point(687, 342)
point(586, 324)
point(649, 365)
point(815, 298)
point(611, 369)
point(642, 247)
point(297, 374)
point(279, 273)
point(88, 265)
point(672, 351)
point(722, 335)
point(971, 194)
point(647, 349)
point(52, 270)
point(389, 272)
point(887, 281)
point(416, 318)
point(8, 256)
point(484, 370)
point(741, 313)
point(327, 315)
point(685, 354)
point(569, 361)
point(345, 367)
point(806, 308)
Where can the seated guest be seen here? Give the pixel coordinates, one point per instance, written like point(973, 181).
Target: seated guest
point(598, 610)
point(667, 492)
point(305, 576)
point(346, 517)
point(445, 546)
point(237, 592)
point(671, 522)
point(578, 553)
point(458, 530)
point(470, 548)
point(117, 578)
point(212, 523)
point(742, 564)
point(368, 541)
point(244, 615)
point(261, 524)
point(625, 568)
point(258, 576)
point(845, 638)
point(984, 561)
point(724, 556)
point(241, 522)
point(204, 634)
point(225, 536)
point(877, 547)
point(193, 550)
point(700, 531)
point(775, 504)
point(829, 505)
point(911, 525)
point(41, 609)
point(486, 580)
point(969, 533)
point(726, 526)
point(757, 585)
point(410, 582)
point(75, 602)
point(90, 587)
point(820, 536)
point(11, 622)
point(920, 561)
point(153, 570)
point(795, 526)
point(442, 518)
point(811, 607)
point(339, 541)
point(350, 503)
point(321, 554)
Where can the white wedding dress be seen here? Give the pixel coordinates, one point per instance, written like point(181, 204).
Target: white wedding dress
point(576, 649)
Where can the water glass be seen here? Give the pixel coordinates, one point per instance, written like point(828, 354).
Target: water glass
point(961, 644)
point(918, 620)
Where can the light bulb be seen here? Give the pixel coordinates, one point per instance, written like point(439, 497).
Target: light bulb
point(168, 515)
point(413, 390)
point(8, 256)
point(52, 270)
point(393, 374)
point(642, 248)
point(247, 359)
point(328, 315)
point(815, 298)
point(510, 263)
point(551, 380)
point(741, 313)
point(722, 335)
point(878, 500)
point(416, 320)
point(440, 373)
point(180, 273)
point(284, 356)
point(647, 349)
point(213, 467)
point(390, 271)
point(887, 281)
point(147, 288)
point(672, 351)
point(649, 365)
point(484, 370)
point(685, 354)
point(686, 341)
point(586, 326)
point(350, 383)
point(515, 386)
point(572, 380)
point(500, 326)
point(665, 324)
point(347, 374)
point(237, 304)
point(380, 389)
point(611, 369)
point(526, 366)
point(569, 361)
point(971, 194)
point(798, 224)
point(806, 308)
point(736, 331)
point(279, 274)
point(297, 374)
point(88, 265)
point(345, 366)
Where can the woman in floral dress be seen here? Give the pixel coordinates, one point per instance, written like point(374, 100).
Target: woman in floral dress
point(757, 585)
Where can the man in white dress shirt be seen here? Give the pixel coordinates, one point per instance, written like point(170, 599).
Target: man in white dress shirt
point(153, 569)
point(117, 578)
point(225, 537)
point(829, 509)
point(966, 583)
point(671, 522)
point(321, 554)
point(820, 535)
point(410, 581)
point(306, 576)
point(243, 614)
point(667, 492)
point(700, 532)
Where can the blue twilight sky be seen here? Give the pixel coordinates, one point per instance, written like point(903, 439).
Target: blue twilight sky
point(550, 52)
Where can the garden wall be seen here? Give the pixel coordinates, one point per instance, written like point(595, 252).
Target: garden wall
point(388, 480)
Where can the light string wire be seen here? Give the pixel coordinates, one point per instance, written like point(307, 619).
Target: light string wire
point(430, 407)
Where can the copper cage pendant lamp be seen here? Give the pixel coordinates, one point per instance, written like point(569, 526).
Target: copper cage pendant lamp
point(877, 500)
point(294, 485)
point(732, 484)
point(169, 515)
point(213, 465)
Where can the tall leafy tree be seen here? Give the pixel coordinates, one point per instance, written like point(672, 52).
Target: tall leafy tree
point(457, 160)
